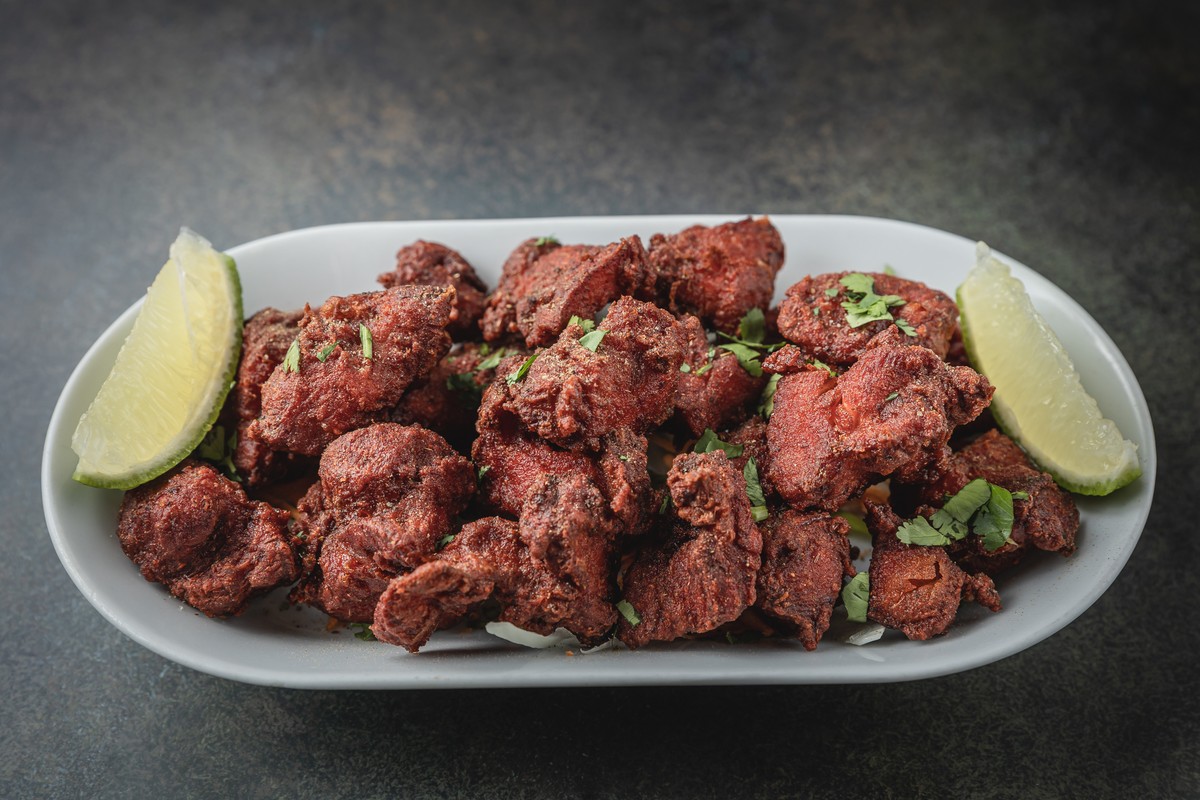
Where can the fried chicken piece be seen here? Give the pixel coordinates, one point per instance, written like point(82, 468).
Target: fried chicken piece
point(573, 396)
point(488, 558)
point(447, 401)
point(715, 391)
point(197, 533)
point(914, 588)
point(815, 320)
point(751, 436)
point(1047, 520)
point(336, 385)
point(701, 572)
point(718, 273)
point(512, 462)
point(805, 556)
point(544, 283)
point(891, 413)
point(265, 340)
point(431, 264)
point(386, 496)
point(566, 525)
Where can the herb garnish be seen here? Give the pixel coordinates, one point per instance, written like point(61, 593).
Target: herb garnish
point(291, 359)
point(218, 448)
point(520, 373)
point(587, 324)
point(981, 508)
point(368, 344)
point(629, 613)
point(362, 631)
point(767, 404)
point(708, 442)
point(466, 382)
point(592, 339)
point(324, 352)
point(819, 364)
point(864, 306)
point(856, 595)
point(542, 241)
point(758, 503)
point(748, 345)
point(445, 540)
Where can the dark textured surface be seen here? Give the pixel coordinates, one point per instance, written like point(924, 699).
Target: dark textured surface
point(1065, 135)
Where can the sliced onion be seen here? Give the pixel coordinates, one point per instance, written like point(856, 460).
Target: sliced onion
point(511, 633)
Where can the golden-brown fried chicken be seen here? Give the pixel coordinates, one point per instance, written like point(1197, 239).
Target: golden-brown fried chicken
point(354, 358)
point(387, 495)
point(544, 283)
point(715, 391)
point(431, 264)
point(805, 557)
point(914, 588)
point(197, 533)
point(891, 413)
point(701, 573)
point(574, 395)
point(812, 317)
point(718, 273)
point(265, 340)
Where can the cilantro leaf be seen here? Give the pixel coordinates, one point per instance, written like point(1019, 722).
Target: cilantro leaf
point(587, 324)
point(864, 306)
point(856, 594)
point(753, 327)
point(857, 525)
point(542, 241)
point(592, 340)
point(362, 631)
point(967, 500)
point(492, 361)
point(816, 362)
point(324, 352)
point(445, 540)
point(218, 449)
point(919, 531)
point(291, 359)
point(758, 503)
point(746, 356)
point(629, 613)
point(368, 344)
point(995, 520)
point(767, 404)
point(685, 367)
point(708, 442)
point(521, 371)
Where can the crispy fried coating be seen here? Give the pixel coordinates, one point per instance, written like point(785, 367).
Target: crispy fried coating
point(513, 461)
point(335, 386)
point(386, 495)
point(701, 573)
point(573, 396)
point(265, 340)
point(431, 264)
point(488, 558)
point(917, 589)
point(891, 413)
point(1047, 520)
point(805, 557)
point(197, 533)
point(544, 283)
point(815, 320)
point(718, 273)
point(715, 391)
point(751, 435)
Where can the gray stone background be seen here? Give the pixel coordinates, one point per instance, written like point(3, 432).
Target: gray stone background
point(1064, 133)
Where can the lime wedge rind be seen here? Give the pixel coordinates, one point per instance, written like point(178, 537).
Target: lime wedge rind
point(171, 375)
point(1040, 400)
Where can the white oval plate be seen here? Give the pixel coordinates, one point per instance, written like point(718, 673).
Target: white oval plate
point(274, 645)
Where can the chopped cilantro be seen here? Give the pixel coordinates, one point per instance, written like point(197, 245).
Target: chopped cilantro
point(708, 442)
point(291, 359)
point(767, 404)
point(981, 508)
point(856, 594)
point(891, 396)
point(623, 457)
point(816, 362)
point(665, 505)
point(587, 324)
point(362, 631)
point(445, 540)
point(492, 361)
point(685, 367)
point(629, 613)
point(753, 327)
point(748, 345)
point(218, 448)
point(758, 504)
point(482, 471)
point(832, 291)
point(707, 366)
point(542, 241)
point(746, 356)
point(864, 306)
point(520, 373)
point(903, 325)
point(368, 344)
point(324, 352)
point(463, 382)
point(888, 269)
point(592, 340)
point(857, 525)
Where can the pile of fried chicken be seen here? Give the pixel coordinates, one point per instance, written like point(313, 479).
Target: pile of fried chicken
point(467, 455)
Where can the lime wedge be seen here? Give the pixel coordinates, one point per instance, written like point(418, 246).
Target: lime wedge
point(1039, 401)
point(171, 375)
